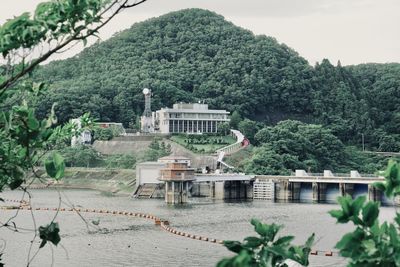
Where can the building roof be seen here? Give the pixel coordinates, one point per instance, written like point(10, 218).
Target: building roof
point(172, 157)
point(151, 163)
point(223, 177)
point(207, 111)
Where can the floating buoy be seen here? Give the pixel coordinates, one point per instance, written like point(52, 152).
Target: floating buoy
point(329, 253)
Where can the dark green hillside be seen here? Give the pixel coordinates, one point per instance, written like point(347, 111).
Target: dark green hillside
point(194, 54)
point(188, 55)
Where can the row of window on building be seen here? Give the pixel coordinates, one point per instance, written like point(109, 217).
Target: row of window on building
point(196, 116)
point(189, 126)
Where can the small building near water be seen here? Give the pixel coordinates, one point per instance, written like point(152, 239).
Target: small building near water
point(177, 175)
point(152, 177)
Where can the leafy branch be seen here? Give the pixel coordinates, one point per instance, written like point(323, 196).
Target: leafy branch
point(371, 243)
point(64, 22)
point(266, 250)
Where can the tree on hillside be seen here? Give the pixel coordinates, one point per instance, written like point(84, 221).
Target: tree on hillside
point(25, 139)
point(80, 156)
point(235, 119)
point(223, 128)
point(248, 128)
point(294, 145)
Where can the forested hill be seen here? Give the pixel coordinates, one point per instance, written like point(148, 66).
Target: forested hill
point(195, 54)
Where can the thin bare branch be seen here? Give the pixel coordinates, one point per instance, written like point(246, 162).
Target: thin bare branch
point(75, 37)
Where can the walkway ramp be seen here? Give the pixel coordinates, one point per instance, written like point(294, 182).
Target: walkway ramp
point(146, 190)
point(241, 142)
point(221, 155)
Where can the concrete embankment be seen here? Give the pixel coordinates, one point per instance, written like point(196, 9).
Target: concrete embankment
point(120, 181)
point(138, 144)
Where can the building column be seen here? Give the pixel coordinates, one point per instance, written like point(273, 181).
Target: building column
point(319, 191)
point(173, 193)
point(211, 188)
point(373, 193)
point(346, 189)
point(289, 190)
point(186, 192)
point(166, 192)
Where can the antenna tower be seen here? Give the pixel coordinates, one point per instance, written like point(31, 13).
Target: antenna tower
point(147, 102)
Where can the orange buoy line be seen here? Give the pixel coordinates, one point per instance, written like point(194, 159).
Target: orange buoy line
point(163, 224)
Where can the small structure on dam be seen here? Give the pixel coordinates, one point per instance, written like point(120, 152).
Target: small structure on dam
point(176, 175)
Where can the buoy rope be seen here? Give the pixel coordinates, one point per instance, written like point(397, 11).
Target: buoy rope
point(163, 224)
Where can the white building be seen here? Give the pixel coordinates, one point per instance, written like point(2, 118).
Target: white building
point(84, 138)
point(189, 118)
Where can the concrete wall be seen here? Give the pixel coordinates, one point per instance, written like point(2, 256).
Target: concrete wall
point(120, 147)
point(148, 172)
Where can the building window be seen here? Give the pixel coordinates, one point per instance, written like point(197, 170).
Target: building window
point(213, 127)
point(195, 126)
point(180, 126)
point(190, 126)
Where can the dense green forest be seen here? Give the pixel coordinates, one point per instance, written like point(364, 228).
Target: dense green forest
point(195, 54)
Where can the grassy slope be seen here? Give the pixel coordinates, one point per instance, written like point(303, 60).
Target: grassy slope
point(208, 148)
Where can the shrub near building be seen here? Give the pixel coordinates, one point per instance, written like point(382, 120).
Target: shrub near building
point(203, 143)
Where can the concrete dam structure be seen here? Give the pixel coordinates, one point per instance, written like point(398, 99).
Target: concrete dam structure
point(299, 187)
point(324, 187)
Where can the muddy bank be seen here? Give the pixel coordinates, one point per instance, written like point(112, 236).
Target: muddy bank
point(119, 181)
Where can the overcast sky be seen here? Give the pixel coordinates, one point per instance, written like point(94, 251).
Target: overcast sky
point(352, 31)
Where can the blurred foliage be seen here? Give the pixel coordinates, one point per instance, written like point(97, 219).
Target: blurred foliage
point(266, 249)
point(371, 243)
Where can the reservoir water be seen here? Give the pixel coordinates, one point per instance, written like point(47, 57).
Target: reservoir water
point(128, 241)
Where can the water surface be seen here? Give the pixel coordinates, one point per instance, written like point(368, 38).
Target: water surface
point(128, 241)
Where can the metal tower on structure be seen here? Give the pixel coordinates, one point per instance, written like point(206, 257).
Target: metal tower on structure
point(147, 125)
